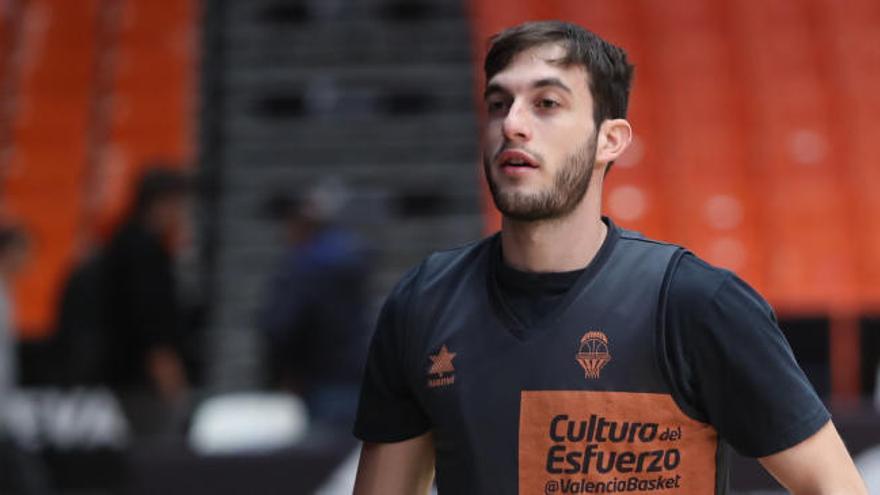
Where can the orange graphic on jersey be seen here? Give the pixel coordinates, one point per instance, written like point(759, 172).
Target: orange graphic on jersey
point(580, 441)
point(593, 353)
point(441, 363)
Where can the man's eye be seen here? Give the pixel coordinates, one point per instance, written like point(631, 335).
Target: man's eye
point(496, 105)
point(547, 103)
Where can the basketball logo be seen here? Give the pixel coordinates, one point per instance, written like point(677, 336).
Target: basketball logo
point(593, 353)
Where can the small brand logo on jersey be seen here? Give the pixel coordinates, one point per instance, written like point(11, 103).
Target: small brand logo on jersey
point(593, 353)
point(441, 372)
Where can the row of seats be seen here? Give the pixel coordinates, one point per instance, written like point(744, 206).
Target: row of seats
point(151, 116)
point(93, 99)
point(49, 138)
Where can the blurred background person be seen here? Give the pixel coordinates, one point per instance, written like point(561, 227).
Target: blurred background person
point(313, 320)
point(20, 471)
point(81, 345)
point(147, 332)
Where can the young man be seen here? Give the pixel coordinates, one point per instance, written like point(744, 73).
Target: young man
point(566, 354)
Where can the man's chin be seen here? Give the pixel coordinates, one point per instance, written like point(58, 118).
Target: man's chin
point(523, 208)
point(528, 216)
point(519, 191)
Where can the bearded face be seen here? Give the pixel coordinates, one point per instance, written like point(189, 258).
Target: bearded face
point(567, 188)
point(539, 139)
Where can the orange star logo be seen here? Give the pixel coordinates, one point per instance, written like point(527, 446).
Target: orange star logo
point(441, 363)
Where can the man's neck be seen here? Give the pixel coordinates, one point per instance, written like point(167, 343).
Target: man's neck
point(557, 245)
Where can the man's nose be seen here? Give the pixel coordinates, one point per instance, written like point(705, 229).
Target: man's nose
point(516, 125)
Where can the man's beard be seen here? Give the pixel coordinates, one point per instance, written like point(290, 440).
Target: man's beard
point(569, 187)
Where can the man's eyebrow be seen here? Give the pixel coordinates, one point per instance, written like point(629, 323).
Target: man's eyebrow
point(493, 88)
point(554, 82)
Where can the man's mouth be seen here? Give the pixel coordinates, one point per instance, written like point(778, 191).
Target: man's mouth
point(516, 159)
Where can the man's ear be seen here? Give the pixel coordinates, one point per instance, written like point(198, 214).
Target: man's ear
point(614, 137)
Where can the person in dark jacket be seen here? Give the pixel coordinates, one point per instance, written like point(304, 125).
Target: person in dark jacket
point(145, 320)
point(313, 319)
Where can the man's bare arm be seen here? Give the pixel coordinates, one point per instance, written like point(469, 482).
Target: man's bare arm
point(820, 465)
point(401, 468)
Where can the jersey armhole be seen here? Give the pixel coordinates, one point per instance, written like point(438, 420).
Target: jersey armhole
point(661, 349)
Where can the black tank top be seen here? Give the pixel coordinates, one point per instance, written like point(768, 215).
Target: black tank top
point(578, 402)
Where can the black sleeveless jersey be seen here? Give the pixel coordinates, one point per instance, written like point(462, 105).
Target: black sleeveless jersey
point(582, 401)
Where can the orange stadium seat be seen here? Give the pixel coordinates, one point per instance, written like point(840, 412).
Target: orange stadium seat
point(610, 18)
point(57, 131)
point(634, 201)
point(7, 32)
point(152, 117)
point(812, 258)
point(50, 133)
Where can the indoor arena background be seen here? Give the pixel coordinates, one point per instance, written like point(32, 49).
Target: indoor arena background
point(757, 136)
